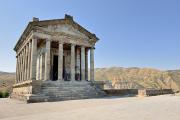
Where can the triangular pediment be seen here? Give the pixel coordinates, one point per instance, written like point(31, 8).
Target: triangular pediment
point(65, 28)
point(66, 25)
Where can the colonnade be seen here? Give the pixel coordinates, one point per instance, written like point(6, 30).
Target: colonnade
point(27, 61)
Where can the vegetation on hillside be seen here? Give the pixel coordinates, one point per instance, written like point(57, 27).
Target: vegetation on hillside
point(139, 77)
point(131, 77)
point(6, 81)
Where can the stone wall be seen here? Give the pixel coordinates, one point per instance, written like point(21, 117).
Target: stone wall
point(121, 92)
point(154, 92)
point(22, 90)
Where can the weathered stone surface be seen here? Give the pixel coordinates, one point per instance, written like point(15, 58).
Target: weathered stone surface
point(54, 50)
point(60, 62)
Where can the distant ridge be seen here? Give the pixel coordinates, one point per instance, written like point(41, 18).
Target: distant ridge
point(140, 77)
point(6, 80)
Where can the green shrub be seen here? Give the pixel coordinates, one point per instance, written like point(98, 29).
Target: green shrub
point(4, 94)
point(0, 94)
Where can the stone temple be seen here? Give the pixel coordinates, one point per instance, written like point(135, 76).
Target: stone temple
point(52, 62)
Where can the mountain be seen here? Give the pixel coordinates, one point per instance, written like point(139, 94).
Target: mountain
point(121, 77)
point(6, 80)
point(175, 75)
point(139, 77)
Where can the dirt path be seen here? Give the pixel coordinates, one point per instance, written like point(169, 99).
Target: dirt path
point(165, 107)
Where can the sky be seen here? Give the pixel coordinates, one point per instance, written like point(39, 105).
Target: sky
point(133, 33)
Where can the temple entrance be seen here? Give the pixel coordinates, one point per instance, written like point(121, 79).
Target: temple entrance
point(55, 68)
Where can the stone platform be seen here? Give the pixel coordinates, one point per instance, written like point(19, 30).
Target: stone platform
point(60, 90)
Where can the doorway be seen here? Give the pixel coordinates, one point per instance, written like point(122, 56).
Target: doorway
point(55, 67)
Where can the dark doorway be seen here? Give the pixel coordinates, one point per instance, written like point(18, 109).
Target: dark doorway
point(55, 68)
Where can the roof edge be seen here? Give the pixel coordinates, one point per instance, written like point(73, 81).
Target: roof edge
point(36, 21)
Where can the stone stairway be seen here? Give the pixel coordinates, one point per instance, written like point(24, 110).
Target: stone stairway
point(70, 90)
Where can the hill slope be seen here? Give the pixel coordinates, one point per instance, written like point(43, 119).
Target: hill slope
point(140, 77)
point(175, 74)
point(6, 80)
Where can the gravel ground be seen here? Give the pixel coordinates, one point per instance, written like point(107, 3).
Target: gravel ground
point(165, 107)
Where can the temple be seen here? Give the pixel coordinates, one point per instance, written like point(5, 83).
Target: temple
point(52, 62)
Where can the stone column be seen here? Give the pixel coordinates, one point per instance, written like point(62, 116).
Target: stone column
point(33, 59)
point(23, 64)
point(82, 63)
point(20, 66)
point(27, 52)
point(92, 64)
point(47, 60)
point(17, 69)
point(72, 62)
point(86, 65)
point(60, 61)
point(29, 61)
point(41, 67)
point(37, 68)
point(78, 63)
point(16, 81)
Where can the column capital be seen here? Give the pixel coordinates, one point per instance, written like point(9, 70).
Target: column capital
point(34, 37)
point(82, 46)
point(61, 42)
point(93, 47)
point(47, 39)
point(73, 44)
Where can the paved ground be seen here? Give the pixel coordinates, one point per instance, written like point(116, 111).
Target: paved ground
point(165, 107)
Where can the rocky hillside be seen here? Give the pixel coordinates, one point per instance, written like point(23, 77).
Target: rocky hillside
point(175, 75)
point(125, 77)
point(6, 80)
point(139, 77)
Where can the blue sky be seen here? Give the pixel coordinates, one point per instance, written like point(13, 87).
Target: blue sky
point(133, 33)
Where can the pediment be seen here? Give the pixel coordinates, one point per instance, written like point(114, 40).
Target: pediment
point(66, 28)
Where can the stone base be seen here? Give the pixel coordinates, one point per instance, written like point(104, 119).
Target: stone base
point(30, 98)
point(154, 92)
point(57, 91)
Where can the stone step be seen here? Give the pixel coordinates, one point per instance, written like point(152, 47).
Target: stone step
point(63, 84)
point(70, 97)
point(56, 93)
point(51, 90)
point(70, 90)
